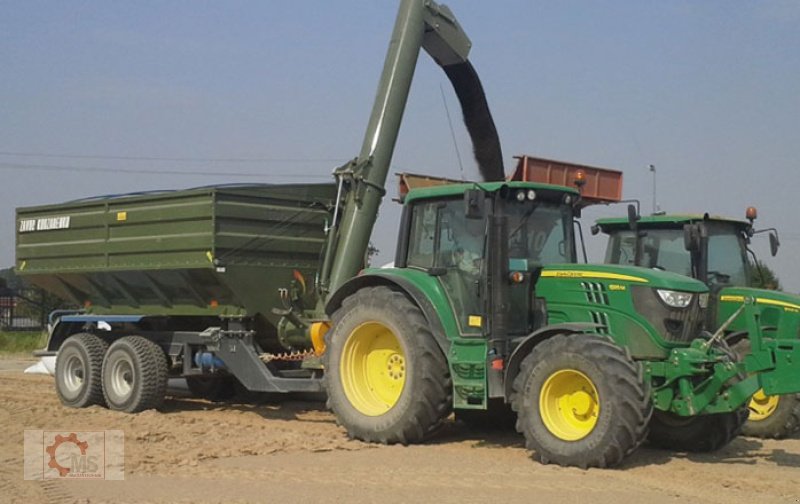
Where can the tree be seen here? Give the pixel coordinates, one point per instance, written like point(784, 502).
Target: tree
point(764, 277)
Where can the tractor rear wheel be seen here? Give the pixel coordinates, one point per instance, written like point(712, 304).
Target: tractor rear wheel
point(387, 379)
point(134, 375)
point(78, 370)
point(582, 401)
point(703, 433)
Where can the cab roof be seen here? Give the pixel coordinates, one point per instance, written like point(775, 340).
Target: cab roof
point(458, 189)
point(667, 221)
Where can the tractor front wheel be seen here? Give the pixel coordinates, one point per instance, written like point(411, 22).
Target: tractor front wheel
point(387, 379)
point(581, 401)
point(703, 433)
point(773, 417)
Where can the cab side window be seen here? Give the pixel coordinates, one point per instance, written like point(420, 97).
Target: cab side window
point(423, 231)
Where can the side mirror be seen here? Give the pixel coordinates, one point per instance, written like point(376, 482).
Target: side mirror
point(633, 218)
point(474, 204)
point(774, 243)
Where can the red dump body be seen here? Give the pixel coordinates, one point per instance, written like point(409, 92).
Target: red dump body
point(601, 184)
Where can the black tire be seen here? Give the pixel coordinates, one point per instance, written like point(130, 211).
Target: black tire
point(704, 433)
point(134, 375)
point(497, 417)
point(622, 403)
point(425, 397)
point(212, 388)
point(79, 366)
point(769, 420)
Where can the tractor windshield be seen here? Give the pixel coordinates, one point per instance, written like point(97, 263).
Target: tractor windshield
point(726, 260)
point(661, 249)
point(727, 255)
point(540, 232)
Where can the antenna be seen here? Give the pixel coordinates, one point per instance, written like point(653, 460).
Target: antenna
point(452, 132)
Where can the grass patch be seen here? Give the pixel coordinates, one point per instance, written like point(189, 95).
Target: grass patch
point(22, 342)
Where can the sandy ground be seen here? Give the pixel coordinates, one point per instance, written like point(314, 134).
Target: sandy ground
point(292, 451)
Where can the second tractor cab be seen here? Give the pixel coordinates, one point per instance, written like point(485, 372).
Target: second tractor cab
point(716, 251)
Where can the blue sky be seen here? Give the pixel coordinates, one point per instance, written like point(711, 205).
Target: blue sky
point(706, 91)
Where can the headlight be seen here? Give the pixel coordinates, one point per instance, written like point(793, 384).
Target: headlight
point(703, 300)
point(675, 299)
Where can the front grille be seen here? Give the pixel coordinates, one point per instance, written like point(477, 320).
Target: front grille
point(674, 324)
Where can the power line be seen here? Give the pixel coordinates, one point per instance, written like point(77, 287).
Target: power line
point(173, 159)
point(93, 169)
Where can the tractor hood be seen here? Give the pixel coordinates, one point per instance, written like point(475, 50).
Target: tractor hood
point(632, 275)
point(789, 303)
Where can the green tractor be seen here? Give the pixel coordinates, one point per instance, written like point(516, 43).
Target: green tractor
point(485, 302)
point(715, 250)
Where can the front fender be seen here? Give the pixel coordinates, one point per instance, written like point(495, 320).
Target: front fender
point(533, 339)
point(431, 302)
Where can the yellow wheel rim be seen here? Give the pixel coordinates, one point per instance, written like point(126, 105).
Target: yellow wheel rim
point(373, 369)
point(762, 406)
point(569, 404)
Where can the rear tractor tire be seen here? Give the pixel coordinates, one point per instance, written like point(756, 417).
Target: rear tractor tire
point(387, 380)
point(582, 401)
point(134, 375)
point(79, 371)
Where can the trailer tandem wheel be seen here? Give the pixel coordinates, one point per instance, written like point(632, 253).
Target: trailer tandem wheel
point(134, 375)
point(79, 370)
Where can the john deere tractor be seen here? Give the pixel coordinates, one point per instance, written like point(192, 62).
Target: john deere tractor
point(715, 250)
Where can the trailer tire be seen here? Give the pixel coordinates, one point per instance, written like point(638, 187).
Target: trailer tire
point(212, 388)
point(134, 375)
point(581, 400)
point(774, 417)
point(79, 371)
point(387, 379)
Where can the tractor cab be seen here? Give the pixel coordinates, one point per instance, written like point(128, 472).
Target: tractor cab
point(461, 233)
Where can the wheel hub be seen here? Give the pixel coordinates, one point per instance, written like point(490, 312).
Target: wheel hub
point(73, 373)
point(373, 369)
point(569, 404)
point(762, 406)
point(122, 378)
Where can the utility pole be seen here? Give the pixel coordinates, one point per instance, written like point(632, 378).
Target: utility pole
point(653, 171)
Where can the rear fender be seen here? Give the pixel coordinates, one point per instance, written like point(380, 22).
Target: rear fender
point(414, 292)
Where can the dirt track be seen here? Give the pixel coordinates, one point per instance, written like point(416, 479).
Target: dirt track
point(194, 451)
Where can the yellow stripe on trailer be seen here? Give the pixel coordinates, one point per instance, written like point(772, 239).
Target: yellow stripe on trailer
point(592, 274)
